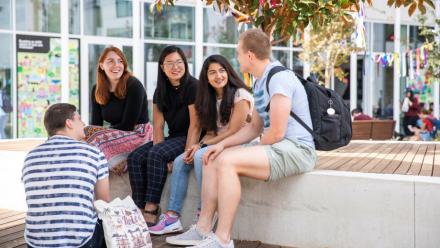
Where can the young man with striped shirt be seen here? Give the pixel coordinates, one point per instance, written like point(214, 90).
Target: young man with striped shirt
point(62, 177)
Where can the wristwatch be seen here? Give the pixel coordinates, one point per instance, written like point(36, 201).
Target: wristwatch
point(202, 145)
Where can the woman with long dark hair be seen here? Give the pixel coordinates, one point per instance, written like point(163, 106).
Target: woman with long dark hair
point(223, 105)
point(173, 104)
point(120, 99)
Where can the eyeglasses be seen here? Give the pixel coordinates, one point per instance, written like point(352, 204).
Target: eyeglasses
point(170, 65)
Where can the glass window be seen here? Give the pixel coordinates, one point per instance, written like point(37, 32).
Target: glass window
point(415, 39)
point(5, 14)
point(297, 64)
point(383, 37)
point(74, 72)
point(74, 17)
point(123, 8)
point(227, 52)
point(175, 23)
point(38, 16)
point(6, 102)
point(218, 28)
point(101, 18)
point(282, 56)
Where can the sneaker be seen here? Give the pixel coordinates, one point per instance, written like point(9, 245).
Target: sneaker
point(190, 237)
point(213, 242)
point(166, 224)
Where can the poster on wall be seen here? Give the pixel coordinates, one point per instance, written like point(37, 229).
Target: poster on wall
point(39, 80)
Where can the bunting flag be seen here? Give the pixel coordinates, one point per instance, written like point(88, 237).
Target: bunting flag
point(418, 61)
point(411, 65)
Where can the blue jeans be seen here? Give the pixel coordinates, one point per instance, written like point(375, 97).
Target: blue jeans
point(179, 179)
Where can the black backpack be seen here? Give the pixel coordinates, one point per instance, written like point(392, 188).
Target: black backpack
point(6, 102)
point(330, 131)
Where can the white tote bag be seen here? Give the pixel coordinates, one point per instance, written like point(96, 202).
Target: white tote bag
point(124, 225)
point(405, 105)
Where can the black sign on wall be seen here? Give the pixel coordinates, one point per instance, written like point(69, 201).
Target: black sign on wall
point(33, 44)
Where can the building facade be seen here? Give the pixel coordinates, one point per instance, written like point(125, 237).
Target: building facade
point(49, 51)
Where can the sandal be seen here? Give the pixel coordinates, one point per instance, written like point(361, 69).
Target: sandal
point(156, 212)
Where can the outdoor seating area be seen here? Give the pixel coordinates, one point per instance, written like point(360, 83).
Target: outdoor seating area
point(384, 187)
point(373, 129)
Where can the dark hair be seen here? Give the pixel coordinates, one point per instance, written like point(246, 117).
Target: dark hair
point(56, 116)
point(206, 99)
point(102, 92)
point(411, 94)
point(356, 111)
point(163, 81)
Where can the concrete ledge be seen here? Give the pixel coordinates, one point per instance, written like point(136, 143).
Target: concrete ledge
point(317, 209)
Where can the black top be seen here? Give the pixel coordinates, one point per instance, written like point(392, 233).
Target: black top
point(122, 114)
point(177, 114)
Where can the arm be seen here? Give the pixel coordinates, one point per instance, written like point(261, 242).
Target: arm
point(96, 110)
point(102, 190)
point(133, 106)
point(158, 125)
point(239, 115)
point(279, 113)
point(193, 135)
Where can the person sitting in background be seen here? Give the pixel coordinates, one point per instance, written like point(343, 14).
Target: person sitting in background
point(120, 99)
point(425, 129)
point(62, 177)
point(358, 115)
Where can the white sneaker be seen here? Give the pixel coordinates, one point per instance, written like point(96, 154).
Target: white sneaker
point(188, 238)
point(213, 242)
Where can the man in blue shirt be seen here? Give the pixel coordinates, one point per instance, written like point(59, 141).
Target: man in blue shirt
point(62, 177)
point(285, 148)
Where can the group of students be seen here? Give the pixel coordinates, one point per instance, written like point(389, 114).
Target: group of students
point(215, 126)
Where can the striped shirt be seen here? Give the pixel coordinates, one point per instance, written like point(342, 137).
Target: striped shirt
point(59, 178)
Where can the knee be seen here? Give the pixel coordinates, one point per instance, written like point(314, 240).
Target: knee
point(224, 165)
point(179, 166)
point(155, 154)
point(134, 157)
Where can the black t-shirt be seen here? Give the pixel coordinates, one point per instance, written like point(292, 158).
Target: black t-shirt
point(122, 114)
point(177, 114)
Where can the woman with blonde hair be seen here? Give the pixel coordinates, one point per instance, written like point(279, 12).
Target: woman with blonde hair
point(118, 98)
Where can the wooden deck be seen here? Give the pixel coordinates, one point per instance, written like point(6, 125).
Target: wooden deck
point(403, 158)
point(12, 228)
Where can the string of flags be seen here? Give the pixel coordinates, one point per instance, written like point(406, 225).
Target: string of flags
point(409, 63)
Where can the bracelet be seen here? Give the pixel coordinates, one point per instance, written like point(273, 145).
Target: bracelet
point(202, 145)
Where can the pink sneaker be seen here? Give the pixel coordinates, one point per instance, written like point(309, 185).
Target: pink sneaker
point(166, 224)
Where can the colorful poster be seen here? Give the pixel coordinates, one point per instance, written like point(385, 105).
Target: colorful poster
point(39, 80)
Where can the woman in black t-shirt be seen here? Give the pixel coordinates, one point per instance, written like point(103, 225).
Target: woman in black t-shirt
point(173, 104)
point(119, 99)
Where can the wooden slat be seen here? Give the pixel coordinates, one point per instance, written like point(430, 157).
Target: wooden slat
point(8, 214)
point(12, 219)
point(327, 159)
point(407, 160)
point(428, 162)
point(13, 229)
point(395, 163)
point(416, 165)
point(13, 243)
point(436, 169)
point(360, 158)
point(11, 237)
point(380, 158)
point(344, 157)
point(12, 224)
point(19, 145)
point(388, 159)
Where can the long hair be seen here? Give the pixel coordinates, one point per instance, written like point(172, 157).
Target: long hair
point(206, 99)
point(102, 93)
point(163, 82)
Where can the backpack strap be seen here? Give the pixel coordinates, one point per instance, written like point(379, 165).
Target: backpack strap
point(272, 72)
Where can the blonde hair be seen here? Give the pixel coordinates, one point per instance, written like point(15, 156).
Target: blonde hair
point(257, 42)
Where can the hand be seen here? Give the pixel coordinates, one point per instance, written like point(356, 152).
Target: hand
point(170, 166)
point(189, 154)
point(120, 168)
point(212, 153)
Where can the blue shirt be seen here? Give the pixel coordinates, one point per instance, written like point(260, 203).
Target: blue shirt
point(59, 178)
point(287, 84)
